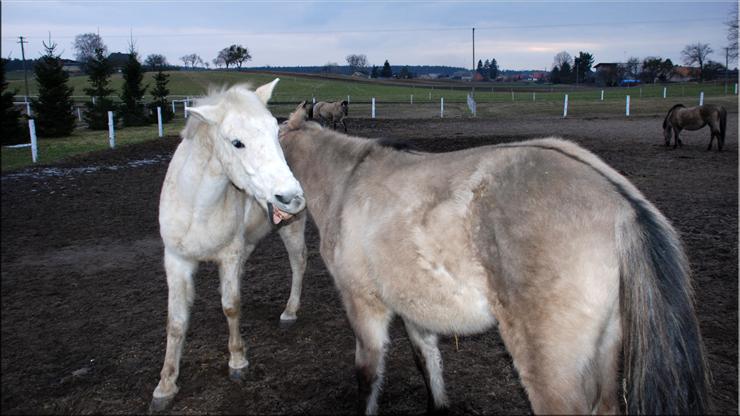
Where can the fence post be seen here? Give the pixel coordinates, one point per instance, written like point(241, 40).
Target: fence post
point(159, 121)
point(665, 91)
point(111, 131)
point(93, 98)
point(441, 107)
point(412, 98)
point(372, 112)
point(79, 114)
point(185, 109)
point(28, 108)
point(627, 107)
point(173, 106)
point(602, 95)
point(512, 94)
point(565, 106)
point(533, 98)
point(348, 99)
point(736, 88)
point(34, 142)
point(430, 93)
point(701, 98)
point(313, 100)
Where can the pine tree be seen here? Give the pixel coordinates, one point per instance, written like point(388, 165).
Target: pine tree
point(133, 111)
point(96, 113)
point(374, 72)
point(53, 109)
point(386, 72)
point(159, 94)
point(12, 129)
point(493, 70)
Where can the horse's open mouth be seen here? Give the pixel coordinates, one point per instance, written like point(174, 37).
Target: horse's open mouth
point(276, 215)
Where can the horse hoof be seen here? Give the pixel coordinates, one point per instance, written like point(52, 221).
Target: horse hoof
point(238, 375)
point(160, 404)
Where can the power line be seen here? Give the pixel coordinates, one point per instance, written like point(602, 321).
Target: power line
point(389, 30)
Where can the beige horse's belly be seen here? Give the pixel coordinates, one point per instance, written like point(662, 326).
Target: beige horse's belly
point(443, 303)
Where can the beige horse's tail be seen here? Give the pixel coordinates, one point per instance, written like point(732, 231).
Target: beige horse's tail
point(664, 361)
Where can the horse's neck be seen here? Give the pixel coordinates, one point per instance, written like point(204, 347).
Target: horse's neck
point(201, 183)
point(323, 164)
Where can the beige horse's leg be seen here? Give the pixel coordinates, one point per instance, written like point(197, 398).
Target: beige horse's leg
point(180, 273)
point(369, 319)
point(567, 364)
point(230, 271)
point(429, 362)
point(294, 240)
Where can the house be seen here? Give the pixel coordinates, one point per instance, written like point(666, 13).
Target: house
point(71, 67)
point(118, 60)
point(607, 73)
point(683, 74)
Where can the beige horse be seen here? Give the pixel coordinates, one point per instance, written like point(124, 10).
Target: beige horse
point(541, 237)
point(333, 112)
point(226, 187)
point(694, 118)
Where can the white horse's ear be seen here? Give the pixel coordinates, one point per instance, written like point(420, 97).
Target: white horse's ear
point(265, 92)
point(206, 113)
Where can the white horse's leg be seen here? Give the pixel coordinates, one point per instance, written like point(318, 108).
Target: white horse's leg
point(369, 319)
point(429, 361)
point(180, 297)
point(294, 240)
point(230, 272)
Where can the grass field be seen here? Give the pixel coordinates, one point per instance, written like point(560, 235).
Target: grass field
point(296, 88)
point(392, 101)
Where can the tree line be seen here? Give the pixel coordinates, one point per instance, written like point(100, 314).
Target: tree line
point(52, 108)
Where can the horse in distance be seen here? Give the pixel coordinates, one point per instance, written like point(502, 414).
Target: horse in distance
point(679, 117)
point(575, 266)
point(226, 187)
point(331, 112)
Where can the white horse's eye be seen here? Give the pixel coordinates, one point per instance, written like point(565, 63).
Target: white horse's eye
point(237, 143)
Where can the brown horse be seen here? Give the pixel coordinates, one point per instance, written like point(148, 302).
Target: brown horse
point(542, 238)
point(693, 118)
point(331, 112)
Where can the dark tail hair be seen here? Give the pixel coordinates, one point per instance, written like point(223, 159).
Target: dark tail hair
point(664, 361)
point(665, 120)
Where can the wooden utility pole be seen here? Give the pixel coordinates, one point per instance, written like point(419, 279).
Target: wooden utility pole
point(473, 52)
point(25, 73)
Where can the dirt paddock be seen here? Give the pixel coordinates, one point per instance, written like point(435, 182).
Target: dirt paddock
point(84, 296)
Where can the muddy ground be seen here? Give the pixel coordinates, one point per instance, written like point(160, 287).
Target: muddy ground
point(84, 294)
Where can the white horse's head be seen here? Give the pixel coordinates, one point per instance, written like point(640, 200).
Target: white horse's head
point(244, 137)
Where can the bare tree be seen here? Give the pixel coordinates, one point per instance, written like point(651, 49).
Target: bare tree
point(562, 58)
point(155, 60)
point(223, 58)
point(696, 53)
point(191, 60)
point(357, 63)
point(632, 67)
point(238, 54)
point(85, 45)
point(732, 34)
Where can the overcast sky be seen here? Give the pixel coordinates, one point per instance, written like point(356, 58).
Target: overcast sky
point(519, 35)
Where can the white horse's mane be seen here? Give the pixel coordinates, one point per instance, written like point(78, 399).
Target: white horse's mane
point(238, 96)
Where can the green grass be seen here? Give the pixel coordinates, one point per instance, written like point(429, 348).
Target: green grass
point(80, 142)
point(296, 88)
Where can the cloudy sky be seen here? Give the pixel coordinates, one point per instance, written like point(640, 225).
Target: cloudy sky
point(519, 35)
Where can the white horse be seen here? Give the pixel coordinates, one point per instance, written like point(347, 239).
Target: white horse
point(226, 186)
